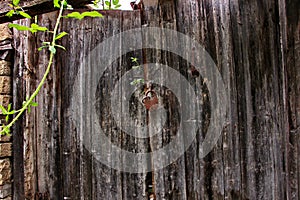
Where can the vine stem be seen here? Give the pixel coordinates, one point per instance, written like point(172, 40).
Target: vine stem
point(35, 93)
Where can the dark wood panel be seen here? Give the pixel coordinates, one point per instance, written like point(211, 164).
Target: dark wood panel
point(255, 45)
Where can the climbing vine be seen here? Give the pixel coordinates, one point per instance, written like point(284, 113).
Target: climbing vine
point(50, 45)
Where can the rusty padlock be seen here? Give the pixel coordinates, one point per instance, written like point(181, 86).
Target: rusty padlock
point(150, 99)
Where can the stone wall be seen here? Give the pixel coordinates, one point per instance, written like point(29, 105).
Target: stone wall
point(6, 52)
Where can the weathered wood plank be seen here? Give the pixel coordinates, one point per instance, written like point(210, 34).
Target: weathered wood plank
point(256, 48)
point(290, 32)
point(34, 7)
point(19, 93)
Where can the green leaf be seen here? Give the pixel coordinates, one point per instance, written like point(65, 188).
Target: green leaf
point(133, 59)
point(115, 2)
point(7, 118)
point(107, 3)
point(6, 130)
point(34, 104)
point(56, 3)
point(66, 5)
point(19, 27)
point(118, 6)
point(52, 49)
point(24, 14)
point(10, 13)
point(4, 111)
point(46, 43)
point(62, 34)
point(16, 2)
point(59, 46)
point(41, 48)
point(38, 28)
point(75, 15)
point(91, 14)
point(9, 107)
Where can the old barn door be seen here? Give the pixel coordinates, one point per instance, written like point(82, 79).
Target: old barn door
point(97, 122)
point(60, 139)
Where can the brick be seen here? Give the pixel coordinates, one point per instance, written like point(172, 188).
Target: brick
point(5, 171)
point(5, 100)
point(5, 33)
point(5, 138)
point(5, 149)
point(5, 191)
point(5, 68)
point(5, 85)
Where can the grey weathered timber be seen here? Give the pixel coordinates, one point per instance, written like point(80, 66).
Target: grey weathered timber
point(256, 47)
point(33, 7)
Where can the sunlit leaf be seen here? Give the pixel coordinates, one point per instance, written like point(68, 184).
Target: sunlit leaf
point(91, 14)
point(66, 4)
point(38, 28)
point(41, 48)
point(24, 14)
point(19, 27)
point(5, 130)
point(62, 34)
point(133, 59)
point(56, 3)
point(34, 104)
point(10, 13)
point(4, 111)
point(9, 107)
point(115, 2)
point(75, 15)
point(118, 6)
point(16, 2)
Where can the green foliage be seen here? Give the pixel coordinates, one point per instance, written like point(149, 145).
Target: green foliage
point(111, 4)
point(80, 16)
point(7, 112)
point(56, 3)
point(17, 10)
point(24, 14)
point(34, 27)
point(19, 27)
point(30, 104)
point(136, 66)
point(60, 35)
point(10, 13)
point(15, 2)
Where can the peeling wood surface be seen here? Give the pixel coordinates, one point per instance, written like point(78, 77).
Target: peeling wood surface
point(256, 48)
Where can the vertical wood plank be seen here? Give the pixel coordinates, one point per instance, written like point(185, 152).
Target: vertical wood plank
point(255, 45)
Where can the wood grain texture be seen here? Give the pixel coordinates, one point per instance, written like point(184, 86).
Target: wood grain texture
point(255, 45)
